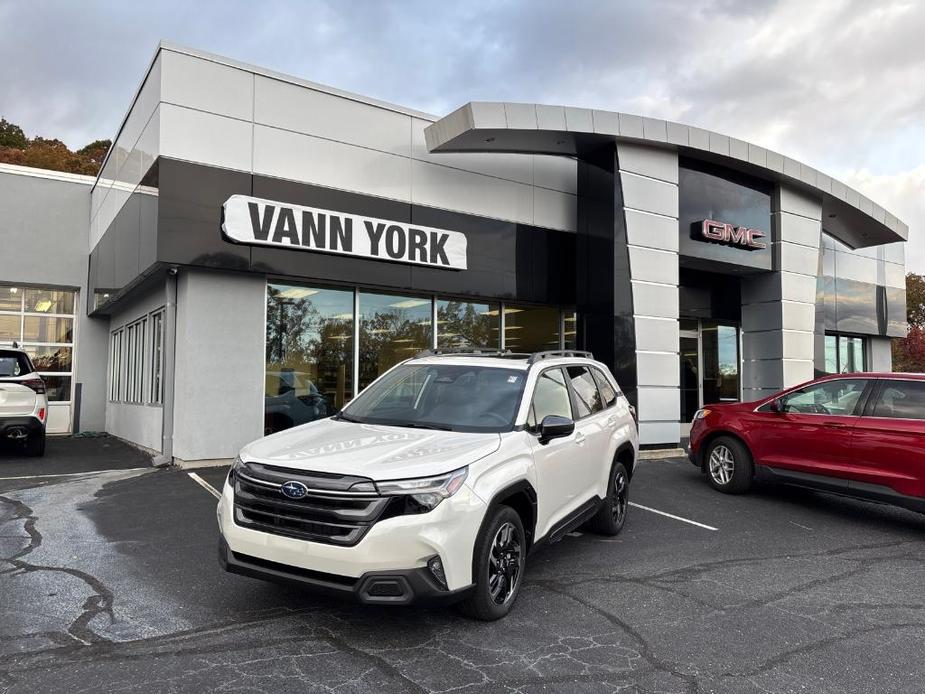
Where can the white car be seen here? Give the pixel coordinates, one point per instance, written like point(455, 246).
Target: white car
point(23, 403)
point(436, 482)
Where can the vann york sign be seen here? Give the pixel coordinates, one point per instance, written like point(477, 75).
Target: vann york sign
point(729, 235)
point(259, 222)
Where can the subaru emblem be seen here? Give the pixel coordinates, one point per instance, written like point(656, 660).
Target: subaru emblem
point(294, 490)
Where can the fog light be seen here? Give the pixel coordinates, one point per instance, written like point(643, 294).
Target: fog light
point(436, 568)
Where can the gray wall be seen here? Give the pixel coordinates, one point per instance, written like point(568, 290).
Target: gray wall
point(219, 363)
point(881, 354)
point(45, 218)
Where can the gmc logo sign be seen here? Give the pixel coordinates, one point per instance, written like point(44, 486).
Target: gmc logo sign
point(729, 235)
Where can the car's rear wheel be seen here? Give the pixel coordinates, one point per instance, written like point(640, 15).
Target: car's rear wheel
point(498, 562)
point(611, 515)
point(729, 465)
point(35, 446)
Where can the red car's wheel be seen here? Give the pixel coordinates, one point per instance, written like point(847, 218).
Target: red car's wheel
point(729, 465)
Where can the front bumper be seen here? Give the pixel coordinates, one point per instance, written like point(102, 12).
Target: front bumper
point(394, 587)
point(397, 547)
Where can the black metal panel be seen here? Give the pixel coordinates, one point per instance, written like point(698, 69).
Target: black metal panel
point(707, 191)
point(709, 295)
point(605, 293)
point(856, 307)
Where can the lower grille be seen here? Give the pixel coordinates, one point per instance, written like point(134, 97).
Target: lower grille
point(328, 513)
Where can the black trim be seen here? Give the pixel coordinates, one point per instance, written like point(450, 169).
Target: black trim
point(841, 486)
point(580, 515)
point(32, 426)
point(396, 587)
point(521, 486)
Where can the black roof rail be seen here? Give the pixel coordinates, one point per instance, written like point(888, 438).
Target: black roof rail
point(557, 353)
point(472, 352)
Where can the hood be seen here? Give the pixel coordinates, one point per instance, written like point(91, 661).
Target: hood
point(370, 450)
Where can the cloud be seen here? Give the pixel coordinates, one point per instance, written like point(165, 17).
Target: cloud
point(834, 83)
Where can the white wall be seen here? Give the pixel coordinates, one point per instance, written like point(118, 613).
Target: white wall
point(219, 363)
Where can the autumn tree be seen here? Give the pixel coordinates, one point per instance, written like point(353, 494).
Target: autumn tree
point(909, 352)
point(42, 153)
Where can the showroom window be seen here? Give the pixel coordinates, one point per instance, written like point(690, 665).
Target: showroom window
point(309, 354)
point(42, 322)
point(845, 354)
point(325, 344)
point(392, 328)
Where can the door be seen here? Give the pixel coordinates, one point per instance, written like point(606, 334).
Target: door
point(709, 363)
point(690, 372)
point(559, 487)
point(888, 442)
point(812, 431)
point(592, 430)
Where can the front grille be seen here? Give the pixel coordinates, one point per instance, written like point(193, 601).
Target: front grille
point(329, 513)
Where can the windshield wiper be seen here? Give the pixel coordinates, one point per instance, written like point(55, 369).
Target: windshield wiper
point(413, 425)
point(343, 417)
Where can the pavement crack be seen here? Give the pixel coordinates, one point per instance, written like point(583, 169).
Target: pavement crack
point(100, 602)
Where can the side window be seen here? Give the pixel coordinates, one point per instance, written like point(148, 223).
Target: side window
point(901, 400)
point(608, 393)
point(837, 397)
point(587, 397)
point(549, 397)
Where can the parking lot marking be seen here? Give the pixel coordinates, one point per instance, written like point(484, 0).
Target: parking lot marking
point(74, 474)
point(677, 518)
point(205, 485)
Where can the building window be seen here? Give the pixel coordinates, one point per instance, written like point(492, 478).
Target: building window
point(323, 345)
point(136, 361)
point(309, 354)
point(41, 321)
point(465, 325)
point(845, 354)
point(392, 328)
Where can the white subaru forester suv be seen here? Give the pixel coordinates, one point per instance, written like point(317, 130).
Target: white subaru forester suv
point(436, 482)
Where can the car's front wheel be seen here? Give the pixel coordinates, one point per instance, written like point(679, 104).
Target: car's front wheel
point(499, 560)
point(729, 465)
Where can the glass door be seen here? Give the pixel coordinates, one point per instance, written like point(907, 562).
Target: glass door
point(710, 366)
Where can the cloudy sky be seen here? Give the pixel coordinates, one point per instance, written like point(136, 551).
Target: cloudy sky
point(838, 84)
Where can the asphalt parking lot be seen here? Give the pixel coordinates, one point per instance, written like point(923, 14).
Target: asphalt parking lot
point(109, 583)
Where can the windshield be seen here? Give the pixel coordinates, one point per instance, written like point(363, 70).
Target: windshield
point(442, 396)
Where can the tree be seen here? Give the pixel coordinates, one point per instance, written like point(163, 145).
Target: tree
point(11, 135)
point(909, 352)
point(42, 153)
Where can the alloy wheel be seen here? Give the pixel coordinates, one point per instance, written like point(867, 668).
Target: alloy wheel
point(505, 562)
point(722, 465)
point(619, 497)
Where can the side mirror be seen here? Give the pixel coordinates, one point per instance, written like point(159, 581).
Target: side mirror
point(555, 427)
point(776, 406)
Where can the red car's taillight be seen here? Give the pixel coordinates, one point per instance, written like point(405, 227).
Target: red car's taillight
point(36, 384)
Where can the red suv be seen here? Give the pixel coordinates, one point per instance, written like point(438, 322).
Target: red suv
point(860, 434)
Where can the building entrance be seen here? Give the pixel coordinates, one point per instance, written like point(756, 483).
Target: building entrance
point(710, 365)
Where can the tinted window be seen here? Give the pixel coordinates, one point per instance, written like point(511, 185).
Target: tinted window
point(608, 393)
point(13, 364)
point(587, 397)
point(837, 397)
point(442, 396)
point(901, 400)
point(549, 397)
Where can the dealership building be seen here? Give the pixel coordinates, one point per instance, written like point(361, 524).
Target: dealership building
point(258, 248)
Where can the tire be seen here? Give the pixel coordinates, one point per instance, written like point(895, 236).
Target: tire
point(499, 533)
point(729, 466)
point(611, 516)
point(35, 446)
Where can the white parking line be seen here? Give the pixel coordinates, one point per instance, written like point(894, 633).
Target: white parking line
point(75, 474)
point(205, 485)
point(677, 518)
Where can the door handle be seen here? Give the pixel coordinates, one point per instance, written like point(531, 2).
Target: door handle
point(580, 438)
point(836, 425)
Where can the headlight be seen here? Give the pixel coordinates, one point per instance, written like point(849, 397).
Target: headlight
point(701, 413)
point(427, 491)
point(236, 466)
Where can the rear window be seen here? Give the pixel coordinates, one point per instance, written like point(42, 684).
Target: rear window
point(14, 363)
